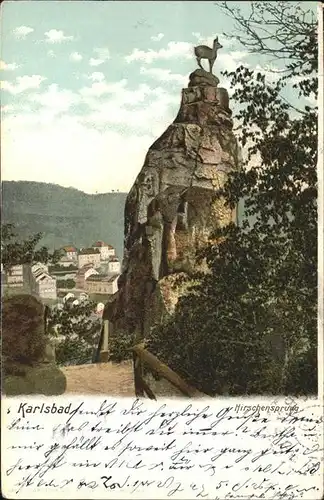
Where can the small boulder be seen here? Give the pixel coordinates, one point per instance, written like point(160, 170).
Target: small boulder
point(200, 77)
point(46, 379)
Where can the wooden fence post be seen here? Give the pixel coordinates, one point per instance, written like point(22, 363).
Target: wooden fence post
point(104, 351)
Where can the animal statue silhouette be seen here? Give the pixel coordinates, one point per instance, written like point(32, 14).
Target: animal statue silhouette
point(204, 52)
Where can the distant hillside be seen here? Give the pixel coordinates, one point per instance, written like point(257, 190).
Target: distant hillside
point(64, 215)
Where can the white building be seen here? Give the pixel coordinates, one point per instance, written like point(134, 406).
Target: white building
point(70, 252)
point(42, 283)
point(113, 266)
point(84, 274)
point(103, 284)
point(105, 249)
point(15, 276)
point(65, 261)
point(43, 266)
point(89, 256)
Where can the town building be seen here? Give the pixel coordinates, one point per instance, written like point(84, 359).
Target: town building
point(29, 282)
point(41, 283)
point(83, 274)
point(105, 249)
point(14, 277)
point(43, 266)
point(113, 266)
point(66, 261)
point(70, 252)
point(100, 283)
point(89, 256)
point(65, 270)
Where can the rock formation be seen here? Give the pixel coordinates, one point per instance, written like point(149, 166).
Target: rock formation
point(171, 208)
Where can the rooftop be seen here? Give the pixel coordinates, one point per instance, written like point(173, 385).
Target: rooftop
point(87, 266)
point(102, 277)
point(65, 259)
point(113, 259)
point(40, 273)
point(69, 249)
point(38, 269)
point(89, 251)
point(83, 270)
point(43, 276)
point(102, 244)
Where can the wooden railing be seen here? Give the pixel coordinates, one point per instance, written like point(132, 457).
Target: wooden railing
point(142, 356)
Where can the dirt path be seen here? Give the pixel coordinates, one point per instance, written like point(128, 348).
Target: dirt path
point(101, 378)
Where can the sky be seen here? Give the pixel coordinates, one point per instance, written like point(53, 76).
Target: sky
point(88, 86)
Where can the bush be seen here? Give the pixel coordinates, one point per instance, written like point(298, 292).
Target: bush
point(23, 336)
point(74, 332)
point(69, 283)
point(120, 347)
point(236, 358)
point(73, 351)
point(302, 376)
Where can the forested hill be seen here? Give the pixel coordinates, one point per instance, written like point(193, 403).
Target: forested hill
point(64, 215)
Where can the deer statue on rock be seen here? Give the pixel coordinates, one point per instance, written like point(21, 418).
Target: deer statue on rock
point(204, 52)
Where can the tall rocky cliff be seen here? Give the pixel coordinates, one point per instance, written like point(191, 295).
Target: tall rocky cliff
point(171, 208)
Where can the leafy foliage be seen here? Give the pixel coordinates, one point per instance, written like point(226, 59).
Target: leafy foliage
point(120, 347)
point(68, 283)
point(74, 330)
point(282, 30)
point(251, 324)
point(14, 251)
